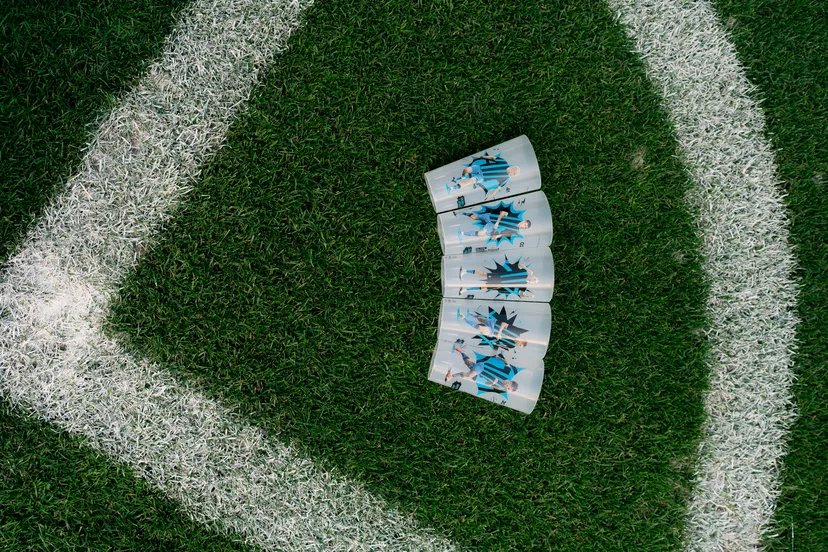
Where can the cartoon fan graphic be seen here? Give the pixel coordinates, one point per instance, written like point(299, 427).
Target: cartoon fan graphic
point(498, 223)
point(508, 169)
point(486, 172)
point(507, 279)
point(492, 374)
point(489, 248)
point(496, 329)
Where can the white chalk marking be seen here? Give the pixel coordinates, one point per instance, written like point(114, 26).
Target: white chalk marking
point(56, 363)
point(737, 199)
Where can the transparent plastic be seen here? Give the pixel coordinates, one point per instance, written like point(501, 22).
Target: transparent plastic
point(522, 275)
point(504, 170)
point(519, 331)
point(490, 377)
point(518, 222)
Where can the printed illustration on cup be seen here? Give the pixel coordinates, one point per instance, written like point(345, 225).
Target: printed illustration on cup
point(495, 329)
point(490, 173)
point(511, 278)
point(491, 374)
point(502, 222)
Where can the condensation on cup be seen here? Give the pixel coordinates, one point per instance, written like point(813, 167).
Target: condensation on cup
point(515, 223)
point(507, 169)
point(517, 275)
point(491, 377)
point(518, 331)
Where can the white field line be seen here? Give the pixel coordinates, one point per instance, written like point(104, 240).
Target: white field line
point(749, 264)
point(56, 363)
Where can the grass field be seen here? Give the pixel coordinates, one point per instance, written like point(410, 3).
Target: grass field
point(304, 289)
point(58, 495)
point(299, 283)
point(62, 66)
point(784, 49)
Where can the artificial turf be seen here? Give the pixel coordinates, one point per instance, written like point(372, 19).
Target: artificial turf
point(300, 284)
point(61, 63)
point(784, 48)
point(56, 494)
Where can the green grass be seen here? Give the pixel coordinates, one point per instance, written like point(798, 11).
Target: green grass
point(57, 495)
point(61, 63)
point(785, 46)
point(300, 282)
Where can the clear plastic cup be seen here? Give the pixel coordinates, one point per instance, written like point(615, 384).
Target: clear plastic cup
point(504, 170)
point(491, 377)
point(519, 331)
point(522, 275)
point(515, 223)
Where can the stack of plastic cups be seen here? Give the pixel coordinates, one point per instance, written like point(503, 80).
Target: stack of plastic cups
point(498, 275)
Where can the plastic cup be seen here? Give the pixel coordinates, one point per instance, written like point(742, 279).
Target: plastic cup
point(518, 222)
point(523, 275)
point(504, 170)
point(494, 378)
point(519, 331)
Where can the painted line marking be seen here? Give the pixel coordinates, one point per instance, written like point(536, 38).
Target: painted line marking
point(56, 363)
point(737, 199)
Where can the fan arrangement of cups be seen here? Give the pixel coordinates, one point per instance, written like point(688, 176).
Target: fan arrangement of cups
point(498, 275)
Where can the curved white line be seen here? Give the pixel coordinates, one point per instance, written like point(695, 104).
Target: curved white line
point(737, 199)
